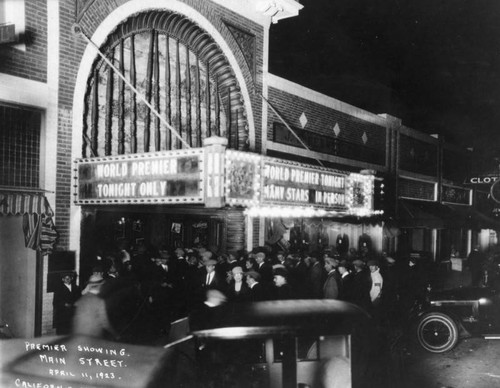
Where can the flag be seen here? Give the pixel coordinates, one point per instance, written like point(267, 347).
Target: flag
point(40, 233)
point(48, 235)
point(31, 229)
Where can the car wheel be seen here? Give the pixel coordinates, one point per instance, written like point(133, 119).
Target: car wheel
point(437, 332)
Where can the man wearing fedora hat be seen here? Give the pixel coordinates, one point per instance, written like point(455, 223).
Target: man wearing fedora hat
point(361, 285)
point(263, 268)
point(315, 277)
point(391, 278)
point(257, 292)
point(345, 289)
point(212, 279)
point(282, 290)
point(376, 290)
point(65, 295)
point(331, 286)
point(377, 282)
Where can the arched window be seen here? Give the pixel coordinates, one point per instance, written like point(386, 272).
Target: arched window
point(181, 72)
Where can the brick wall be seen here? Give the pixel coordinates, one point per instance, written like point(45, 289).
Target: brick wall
point(64, 176)
point(417, 156)
point(32, 63)
point(72, 49)
point(321, 120)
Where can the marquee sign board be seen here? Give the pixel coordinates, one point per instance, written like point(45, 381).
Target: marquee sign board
point(214, 176)
point(294, 184)
point(163, 177)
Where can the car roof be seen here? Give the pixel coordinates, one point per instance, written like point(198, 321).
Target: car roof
point(271, 318)
point(460, 294)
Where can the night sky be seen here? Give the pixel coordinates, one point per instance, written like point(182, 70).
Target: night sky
point(435, 64)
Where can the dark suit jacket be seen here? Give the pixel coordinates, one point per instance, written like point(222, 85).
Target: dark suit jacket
point(258, 293)
point(331, 288)
point(283, 292)
point(218, 282)
point(242, 296)
point(346, 288)
point(315, 281)
point(162, 286)
point(298, 279)
point(266, 271)
point(62, 295)
point(63, 303)
point(362, 283)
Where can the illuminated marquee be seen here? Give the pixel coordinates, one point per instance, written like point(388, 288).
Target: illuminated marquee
point(166, 177)
point(294, 184)
point(216, 176)
point(359, 193)
point(242, 178)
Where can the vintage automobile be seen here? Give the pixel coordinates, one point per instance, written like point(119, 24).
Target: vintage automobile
point(288, 343)
point(448, 315)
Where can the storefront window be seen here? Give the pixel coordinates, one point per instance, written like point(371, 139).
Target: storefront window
point(156, 229)
point(19, 147)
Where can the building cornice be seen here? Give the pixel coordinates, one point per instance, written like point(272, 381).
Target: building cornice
point(278, 9)
point(263, 12)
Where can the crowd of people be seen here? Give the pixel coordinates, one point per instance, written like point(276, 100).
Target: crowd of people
point(167, 284)
point(133, 295)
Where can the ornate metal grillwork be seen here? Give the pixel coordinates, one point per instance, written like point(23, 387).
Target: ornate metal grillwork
point(181, 72)
point(409, 188)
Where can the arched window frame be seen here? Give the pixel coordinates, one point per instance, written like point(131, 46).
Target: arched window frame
point(116, 122)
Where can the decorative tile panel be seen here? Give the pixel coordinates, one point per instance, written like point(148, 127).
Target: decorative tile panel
point(303, 120)
point(418, 156)
point(247, 43)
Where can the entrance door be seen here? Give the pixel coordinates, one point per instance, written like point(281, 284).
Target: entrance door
point(195, 231)
point(102, 230)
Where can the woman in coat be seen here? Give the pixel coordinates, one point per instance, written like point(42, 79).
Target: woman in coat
point(238, 289)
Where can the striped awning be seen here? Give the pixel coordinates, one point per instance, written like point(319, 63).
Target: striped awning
point(13, 203)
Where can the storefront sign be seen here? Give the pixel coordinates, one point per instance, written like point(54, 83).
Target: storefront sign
point(294, 184)
point(455, 195)
point(167, 177)
point(482, 180)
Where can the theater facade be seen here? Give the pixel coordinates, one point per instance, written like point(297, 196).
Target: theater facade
point(159, 122)
point(209, 196)
point(172, 113)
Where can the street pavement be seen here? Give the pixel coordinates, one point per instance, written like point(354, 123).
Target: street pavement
point(473, 363)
